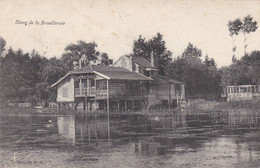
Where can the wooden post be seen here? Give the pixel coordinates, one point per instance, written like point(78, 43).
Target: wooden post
point(80, 83)
point(84, 103)
point(170, 97)
point(126, 106)
point(177, 100)
point(95, 95)
point(108, 125)
point(133, 106)
point(118, 106)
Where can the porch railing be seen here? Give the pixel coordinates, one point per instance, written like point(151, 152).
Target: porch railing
point(82, 92)
point(103, 92)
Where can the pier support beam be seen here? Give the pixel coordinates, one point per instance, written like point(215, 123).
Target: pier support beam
point(133, 106)
point(108, 125)
point(126, 106)
point(118, 106)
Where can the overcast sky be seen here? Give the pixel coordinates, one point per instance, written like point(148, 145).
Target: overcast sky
point(114, 25)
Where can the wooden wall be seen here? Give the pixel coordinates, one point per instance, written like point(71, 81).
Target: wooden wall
point(162, 91)
point(65, 91)
point(117, 87)
point(125, 62)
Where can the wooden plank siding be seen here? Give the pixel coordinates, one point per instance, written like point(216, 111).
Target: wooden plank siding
point(166, 93)
point(65, 90)
point(118, 90)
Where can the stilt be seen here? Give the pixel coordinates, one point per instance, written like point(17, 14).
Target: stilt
point(118, 106)
point(170, 97)
point(89, 134)
point(133, 106)
point(177, 100)
point(126, 106)
point(95, 95)
point(84, 104)
point(75, 105)
point(108, 125)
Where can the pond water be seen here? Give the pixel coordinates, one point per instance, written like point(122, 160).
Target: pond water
point(180, 139)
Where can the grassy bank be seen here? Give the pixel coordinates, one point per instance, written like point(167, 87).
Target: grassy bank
point(204, 105)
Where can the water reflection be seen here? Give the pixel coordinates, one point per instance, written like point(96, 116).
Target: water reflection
point(66, 128)
point(183, 139)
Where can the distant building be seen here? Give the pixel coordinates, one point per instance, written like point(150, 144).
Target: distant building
point(161, 88)
point(242, 92)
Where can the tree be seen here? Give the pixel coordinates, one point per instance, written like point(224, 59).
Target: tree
point(192, 53)
point(82, 50)
point(201, 78)
point(249, 26)
point(2, 46)
point(144, 48)
point(244, 71)
point(234, 28)
point(210, 62)
point(104, 60)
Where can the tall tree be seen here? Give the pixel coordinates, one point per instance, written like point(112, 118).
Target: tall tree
point(234, 28)
point(144, 48)
point(2, 46)
point(249, 26)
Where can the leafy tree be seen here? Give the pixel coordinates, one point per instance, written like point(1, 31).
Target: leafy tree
point(144, 48)
point(104, 60)
point(201, 78)
point(249, 26)
point(2, 46)
point(192, 53)
point(244, 71)
point(234, 28)
point(82, 50)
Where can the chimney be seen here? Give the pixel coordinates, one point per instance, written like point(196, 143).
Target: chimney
point(75, 65)
point(153, 60)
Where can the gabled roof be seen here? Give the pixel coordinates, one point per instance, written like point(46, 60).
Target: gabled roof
point(116, 73)
point(142, 62)
point(163, 79)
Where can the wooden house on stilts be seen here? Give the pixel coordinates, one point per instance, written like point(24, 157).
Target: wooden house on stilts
point(104, 88)
point(131, 83)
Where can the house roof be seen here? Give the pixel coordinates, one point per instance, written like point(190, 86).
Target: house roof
point(165, 80)
point(116, 73)
point(142, 62)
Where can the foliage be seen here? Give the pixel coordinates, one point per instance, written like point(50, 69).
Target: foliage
point(27, 77)
point(201, 78)
point(104, 60)
point(244, 71)
point(144, 48)
point(82, 50)
point(247, 26)
point(2, 45)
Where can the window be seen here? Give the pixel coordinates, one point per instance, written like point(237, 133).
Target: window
point(65, 92)
point(76, 84)
point(123, 63)
point(92, 82)
point(147, 73)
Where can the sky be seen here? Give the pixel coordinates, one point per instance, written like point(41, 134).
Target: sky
point(115, 24)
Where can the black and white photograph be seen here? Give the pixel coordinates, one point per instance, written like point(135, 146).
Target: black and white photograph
point(129, 83)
